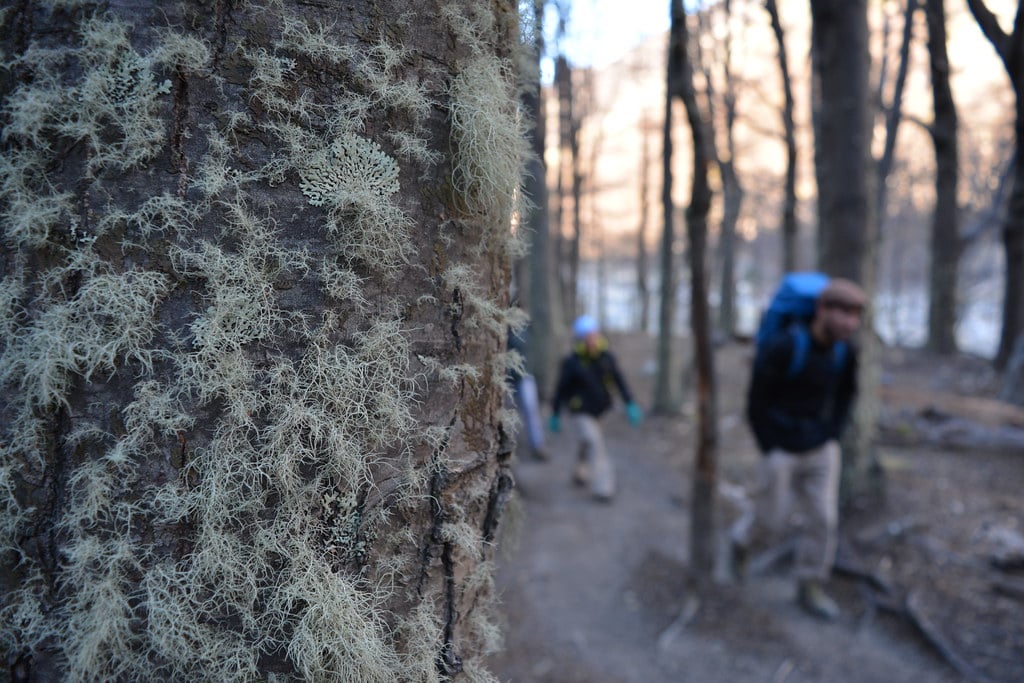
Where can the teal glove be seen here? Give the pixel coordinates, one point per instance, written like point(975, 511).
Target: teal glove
point(635, 415)
point(555, 424)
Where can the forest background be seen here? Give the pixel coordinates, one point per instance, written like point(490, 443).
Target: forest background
point(618, 106)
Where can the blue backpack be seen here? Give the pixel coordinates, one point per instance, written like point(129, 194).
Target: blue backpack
point(792, 307)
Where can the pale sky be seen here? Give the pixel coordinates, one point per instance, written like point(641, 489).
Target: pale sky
point(602, 31)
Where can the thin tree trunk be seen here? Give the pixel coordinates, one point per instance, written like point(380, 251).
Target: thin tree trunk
point(666, 401)
point(702, 527)
point(790, 260)
point(252, 339)
point(1010, 48)
point(541, 301)
point(566, 183)
point(946, 245)
point(893, 119)
point(894, 114)
point(732, 190)
point(642, 266)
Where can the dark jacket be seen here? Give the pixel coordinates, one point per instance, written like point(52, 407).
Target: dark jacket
point(801, 412)
point(516, 342)
point(585, 382)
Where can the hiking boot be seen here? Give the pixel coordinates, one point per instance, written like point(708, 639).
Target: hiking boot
point(581, 475)
point(739, 560)
point(540, 454)
point(816, 602)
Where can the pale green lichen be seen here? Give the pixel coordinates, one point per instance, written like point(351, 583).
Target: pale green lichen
point(351, 171)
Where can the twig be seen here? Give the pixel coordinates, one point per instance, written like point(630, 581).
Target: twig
point(782, 673)
point(1011, 588)
point(686, 616)
point(852, 570)
point(937, 640)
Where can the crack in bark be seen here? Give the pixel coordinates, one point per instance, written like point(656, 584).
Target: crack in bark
point(448, 662)
point(220, 23)
point(179, 161)
point(501, 487)
point(456, 311)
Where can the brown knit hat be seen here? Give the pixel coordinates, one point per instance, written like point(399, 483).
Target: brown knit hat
point(843, 292)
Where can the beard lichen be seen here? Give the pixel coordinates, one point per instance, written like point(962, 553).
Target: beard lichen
point(235, 468)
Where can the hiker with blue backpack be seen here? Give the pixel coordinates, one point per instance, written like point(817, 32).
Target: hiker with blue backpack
point(802, 387)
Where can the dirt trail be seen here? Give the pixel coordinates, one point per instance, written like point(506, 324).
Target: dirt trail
point(597, 593)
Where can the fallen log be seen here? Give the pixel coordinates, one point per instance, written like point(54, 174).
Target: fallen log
point(938, 404)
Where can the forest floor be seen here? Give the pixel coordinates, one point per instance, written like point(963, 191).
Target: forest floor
point(930, 578)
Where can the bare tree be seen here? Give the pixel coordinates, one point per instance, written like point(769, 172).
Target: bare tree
point(1010, 49)
point(643, 291)
point(254, 293)
point(666, 400)
point(732, 189)
point(540, 299)
point(789, 226)
point(893, 112)
point(705, 480)
point(570, 183)
point(893, 117)
point(846, 227)
point(946, 244)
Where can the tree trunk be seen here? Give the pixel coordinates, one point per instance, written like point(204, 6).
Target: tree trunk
point(702, 526)
point(541, 300)
point(893, 118)
point(946, 244)
point(567, 191)
point(255, 289)
point(1010, 48)
point(846, 228)
point(642, 266)
point(790, 259)
point(666, 399)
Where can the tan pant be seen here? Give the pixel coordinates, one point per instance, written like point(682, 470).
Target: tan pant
point(595, 462)
point(807, 484)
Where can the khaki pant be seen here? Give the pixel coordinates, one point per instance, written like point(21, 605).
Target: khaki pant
point(806, 484)
point(595, 465)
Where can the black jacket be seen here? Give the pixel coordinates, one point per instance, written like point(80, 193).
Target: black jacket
point(585, 381)
point(801, 412)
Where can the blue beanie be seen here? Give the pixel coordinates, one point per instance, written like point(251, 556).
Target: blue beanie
point(584, 325)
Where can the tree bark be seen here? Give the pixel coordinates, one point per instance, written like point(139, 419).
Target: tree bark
point(846, 226)
point(255, 300)
point(702, 526)
point(946, 244)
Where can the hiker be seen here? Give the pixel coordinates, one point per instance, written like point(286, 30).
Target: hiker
point(802, 386)
point(524, 390)
point(584, 387)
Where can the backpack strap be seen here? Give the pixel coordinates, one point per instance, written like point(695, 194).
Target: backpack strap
point(801, 347)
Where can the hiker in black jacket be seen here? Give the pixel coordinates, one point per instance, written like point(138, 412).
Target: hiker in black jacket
point(797, 412)
point(584, 387)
